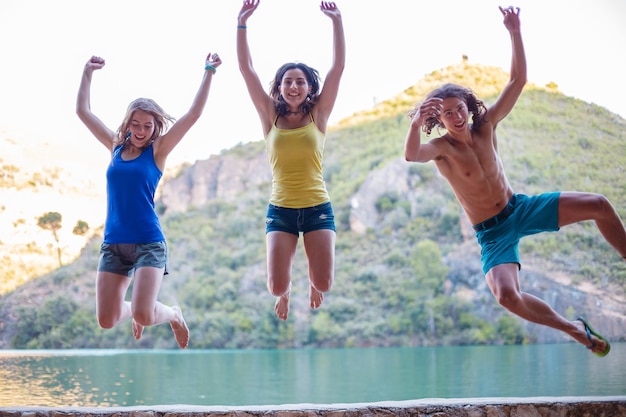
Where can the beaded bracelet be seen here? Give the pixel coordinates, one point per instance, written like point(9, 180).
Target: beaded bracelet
point(211, 68)
point(242, 27)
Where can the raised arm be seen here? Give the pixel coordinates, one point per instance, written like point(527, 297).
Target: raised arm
point(507, 99)
point(83, 105)
point(330, 88)
point(262, 101)
point(169, 140)
point(414, 149)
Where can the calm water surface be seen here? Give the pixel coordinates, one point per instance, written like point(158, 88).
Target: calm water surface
point(105, 378)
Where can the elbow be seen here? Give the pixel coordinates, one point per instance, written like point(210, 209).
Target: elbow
point(520, 80)
point(194, 115)
point(340, 64)
point(81, 113)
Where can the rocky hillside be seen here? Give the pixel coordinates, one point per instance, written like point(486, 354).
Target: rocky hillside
point(407, 264)
point(38, 177)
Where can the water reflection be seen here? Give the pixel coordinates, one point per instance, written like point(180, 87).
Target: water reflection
point(138, 377)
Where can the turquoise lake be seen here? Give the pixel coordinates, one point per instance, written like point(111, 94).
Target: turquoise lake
point(106, 378)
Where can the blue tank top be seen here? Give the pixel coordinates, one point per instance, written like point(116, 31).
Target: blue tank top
point(131, 186)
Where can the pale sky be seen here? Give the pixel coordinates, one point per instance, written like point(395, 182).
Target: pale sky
point(156, 49)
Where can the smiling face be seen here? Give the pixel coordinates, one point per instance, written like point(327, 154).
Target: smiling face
point(141, 128)
point(454, 115)
point(294, 87)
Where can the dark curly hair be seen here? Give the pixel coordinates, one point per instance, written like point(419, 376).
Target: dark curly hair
point(312, 77)
point(474, 105)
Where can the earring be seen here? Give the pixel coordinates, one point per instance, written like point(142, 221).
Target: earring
point(127, 135)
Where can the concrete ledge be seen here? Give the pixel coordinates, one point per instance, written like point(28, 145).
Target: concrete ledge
point(467, 407)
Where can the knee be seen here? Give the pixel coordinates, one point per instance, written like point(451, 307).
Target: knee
point(600, 206)
point(144, 317)
point(508, 298)
point(277, 288)
point(604, 206)
point(106, 322)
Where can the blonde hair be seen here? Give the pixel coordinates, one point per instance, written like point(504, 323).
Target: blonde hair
point(162, 120)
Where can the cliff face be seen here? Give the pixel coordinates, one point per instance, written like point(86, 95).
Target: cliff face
point(218, 178)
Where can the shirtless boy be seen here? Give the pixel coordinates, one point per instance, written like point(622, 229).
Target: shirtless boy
point(466, 155)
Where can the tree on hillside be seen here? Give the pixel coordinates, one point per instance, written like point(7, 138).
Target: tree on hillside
point(81, 228)
point(52, 221)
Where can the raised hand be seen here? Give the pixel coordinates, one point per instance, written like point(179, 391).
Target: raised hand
point(329, 8)
point(511, 18)
point(213, 60)
point(429, 109)
point(248, 7)
point(95, 63)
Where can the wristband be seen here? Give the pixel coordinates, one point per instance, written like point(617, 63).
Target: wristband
point(242, 27)
point(211, 68)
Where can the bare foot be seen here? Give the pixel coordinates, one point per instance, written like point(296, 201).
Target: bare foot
point(315, 297)
point(137, 330)
point(281, 307)
point(593, 343)
point(180, 329)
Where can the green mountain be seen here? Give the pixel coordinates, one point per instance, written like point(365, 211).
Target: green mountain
point(407, 264)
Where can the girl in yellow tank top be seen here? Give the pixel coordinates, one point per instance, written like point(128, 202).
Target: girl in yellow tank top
point(294, 117)
point(295, 156)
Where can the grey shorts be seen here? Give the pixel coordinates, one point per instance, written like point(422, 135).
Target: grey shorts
point(124, 258)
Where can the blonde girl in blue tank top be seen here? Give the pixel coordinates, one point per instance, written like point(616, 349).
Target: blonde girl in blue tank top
point(134, 245)
point(294, 116)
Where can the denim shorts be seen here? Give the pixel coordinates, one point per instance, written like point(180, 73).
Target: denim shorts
point(124, 258)
point(531, 215)
point(294, 221)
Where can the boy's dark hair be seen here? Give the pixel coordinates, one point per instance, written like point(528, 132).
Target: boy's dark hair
point(474, 105)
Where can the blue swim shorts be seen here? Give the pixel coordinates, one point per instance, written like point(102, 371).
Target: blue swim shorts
point(530, 215)
point(294, 221)
point(124, 258)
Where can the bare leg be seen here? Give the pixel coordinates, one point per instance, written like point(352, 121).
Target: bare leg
point(110, 293)
point(315, 297)
point(503, 280)
point(320, 251)
point(281, 249)
point(137, 329)
point(147, 311)
point(179, 327)
point(281, 306)
point(577, 207)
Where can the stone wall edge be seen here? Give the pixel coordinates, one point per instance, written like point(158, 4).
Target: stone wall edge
point(392, 407)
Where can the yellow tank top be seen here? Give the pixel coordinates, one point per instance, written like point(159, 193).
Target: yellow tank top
point(295, 157)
